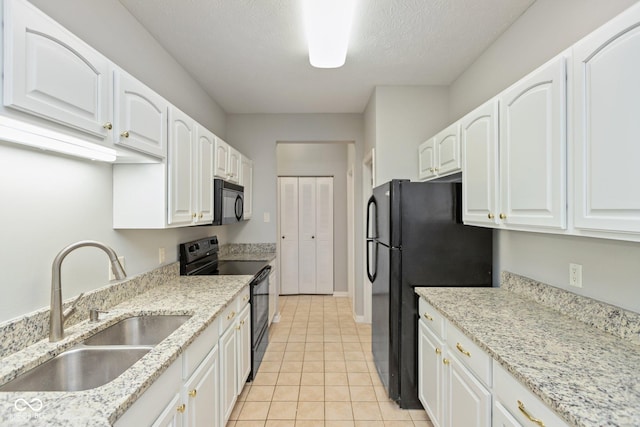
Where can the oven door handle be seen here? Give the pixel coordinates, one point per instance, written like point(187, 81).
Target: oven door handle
point(262, 274)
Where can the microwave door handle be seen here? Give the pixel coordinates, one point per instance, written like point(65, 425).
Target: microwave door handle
point(239, 208)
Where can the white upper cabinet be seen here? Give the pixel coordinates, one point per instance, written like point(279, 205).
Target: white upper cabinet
point(222, 156)
point(606, 120)
point(533, 149)
point(51, 73)
point(233, 165)
point(203, 175)
point(140, 116)
point(246, 180)
point(182, 135)
point(440, 155)
point(427, 159)
point(479, 139)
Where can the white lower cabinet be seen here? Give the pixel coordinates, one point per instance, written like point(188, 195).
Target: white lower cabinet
point(201, 387)
point(235, 353)
point(469, 401)
point(460, 385)
point(430, 374)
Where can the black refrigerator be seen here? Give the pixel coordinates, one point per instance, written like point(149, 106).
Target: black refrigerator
point(415, 237)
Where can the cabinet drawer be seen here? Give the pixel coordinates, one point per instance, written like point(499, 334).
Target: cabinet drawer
point(432, 318)
point(228, 316)
point(470, 354)
point(517, 400)
point(199, 348)
point(243, 299)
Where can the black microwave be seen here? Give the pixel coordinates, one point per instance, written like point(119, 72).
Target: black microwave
point(228, 202)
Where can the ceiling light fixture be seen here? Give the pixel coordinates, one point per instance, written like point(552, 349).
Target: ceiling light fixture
point(328, 24)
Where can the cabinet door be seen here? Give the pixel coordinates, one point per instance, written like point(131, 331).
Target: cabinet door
point(51, 73)
point(204, 165)
point(233, 165)
point(606, 96)
point(479, 138)
point(228, 376)
point(180, 163)
point(469, 401)
point(222, 156)
point(307, 235)
point(172, 415)
point(448, 150)
point(533, 148)
point(430, 370)
point(243, 341)
point(288, 188)
point(246, 180)
point(502, 417)
point(427, 159)
point(201, 393)
point(324, 235)
point(140, 116)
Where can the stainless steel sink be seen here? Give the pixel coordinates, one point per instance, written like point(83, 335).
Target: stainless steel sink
point(80, 368)
point(138, 330)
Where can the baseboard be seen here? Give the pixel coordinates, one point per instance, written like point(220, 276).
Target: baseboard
point(276, 318)
point(358, 319)
point(341, 294)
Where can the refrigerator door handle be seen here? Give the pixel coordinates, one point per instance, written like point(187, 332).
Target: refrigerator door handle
point(374, 232)
point(372, 244)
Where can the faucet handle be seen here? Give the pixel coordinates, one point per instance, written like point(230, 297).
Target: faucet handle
point(94, 314)
point(68, 312)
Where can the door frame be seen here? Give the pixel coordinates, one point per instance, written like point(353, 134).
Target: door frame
point(368, 183)
point(351, 250)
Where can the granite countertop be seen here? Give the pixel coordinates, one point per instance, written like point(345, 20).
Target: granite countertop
point(202, 297)
point(588, 376)
point(248, 256)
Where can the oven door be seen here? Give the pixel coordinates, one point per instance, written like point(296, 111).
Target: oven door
point(259, 318)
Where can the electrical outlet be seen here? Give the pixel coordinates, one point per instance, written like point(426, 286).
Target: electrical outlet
point(575, 275)
point(161, 255)
point(111, 275)
point(267, 217)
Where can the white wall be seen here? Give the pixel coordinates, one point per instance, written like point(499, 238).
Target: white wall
point(611, 270)
point(256, 135)
point(404, 116)
point(50, 201)
point(323, 159)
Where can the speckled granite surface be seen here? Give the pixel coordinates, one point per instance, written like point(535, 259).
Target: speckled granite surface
point(246, 249)
point(202, 297)
point(589, 377)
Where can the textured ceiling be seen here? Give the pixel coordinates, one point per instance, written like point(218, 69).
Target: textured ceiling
point(250, 55)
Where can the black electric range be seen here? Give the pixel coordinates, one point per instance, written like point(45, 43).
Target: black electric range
point(200, 258)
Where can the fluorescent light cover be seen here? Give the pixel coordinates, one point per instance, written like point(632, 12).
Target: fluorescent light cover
point(35, 136)
point(328, 24)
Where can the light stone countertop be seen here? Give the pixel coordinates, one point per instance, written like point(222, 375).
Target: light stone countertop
point(203, 297)
point(588, 376)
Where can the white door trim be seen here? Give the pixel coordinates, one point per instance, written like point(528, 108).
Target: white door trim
point(368, 183)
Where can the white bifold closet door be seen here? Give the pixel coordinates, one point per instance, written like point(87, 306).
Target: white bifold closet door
point(306, 228)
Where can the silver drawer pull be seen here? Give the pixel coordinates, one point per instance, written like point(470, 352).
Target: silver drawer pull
point(526, 414)
point(426, 316)
point(230, 316)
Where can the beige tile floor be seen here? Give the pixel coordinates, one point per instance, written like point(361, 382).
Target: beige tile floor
point(318, 371)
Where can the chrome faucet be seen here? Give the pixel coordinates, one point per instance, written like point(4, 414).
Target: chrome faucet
point(56, 316)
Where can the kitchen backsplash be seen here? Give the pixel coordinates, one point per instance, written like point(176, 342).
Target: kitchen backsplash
point(244, 248)
point(17, 334)
point(617, 321)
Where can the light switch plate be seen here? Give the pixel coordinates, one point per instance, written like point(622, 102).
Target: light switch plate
point(267, 217)
point(161, 255)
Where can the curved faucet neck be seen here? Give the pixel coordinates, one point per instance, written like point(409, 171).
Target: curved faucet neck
point(56, 315)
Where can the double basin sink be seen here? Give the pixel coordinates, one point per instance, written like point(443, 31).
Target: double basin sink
point(100, 358)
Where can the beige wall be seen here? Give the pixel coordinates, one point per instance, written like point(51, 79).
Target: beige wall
point(256, 135)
